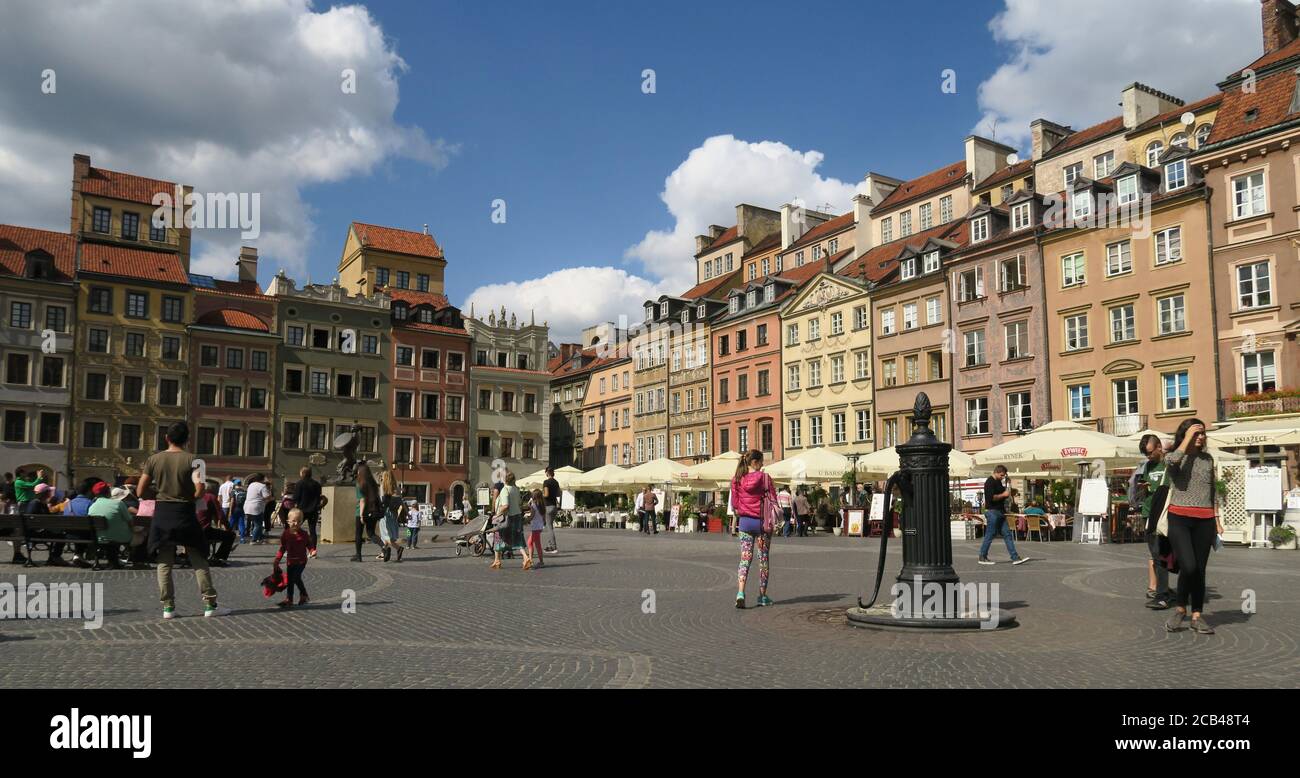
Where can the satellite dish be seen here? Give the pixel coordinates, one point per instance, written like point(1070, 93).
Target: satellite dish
point(1188, 119)
point(1013, 158)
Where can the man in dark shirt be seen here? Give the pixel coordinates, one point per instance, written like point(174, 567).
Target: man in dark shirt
point(996, 491)
point(551, 497)
point(306, 498)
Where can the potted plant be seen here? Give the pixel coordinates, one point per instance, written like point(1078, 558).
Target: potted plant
point(717, 520)
point(686, 515)
point(1283, 537)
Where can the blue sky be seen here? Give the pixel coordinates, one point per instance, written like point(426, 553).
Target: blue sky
point(541, 105)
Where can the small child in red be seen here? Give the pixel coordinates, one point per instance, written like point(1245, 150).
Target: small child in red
point(295, 543)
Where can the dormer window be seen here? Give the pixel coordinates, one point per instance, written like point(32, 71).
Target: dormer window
point(798, 259)
point(649, 312)
point(399, 311)
point(39, 265)
point(663, 309)
point(700, 311)
point(1203, 134)
point(1127, 188)
point(930, 262)
point(1082, 204)
point(1073, 173)
point(979, 229)
point(817, 253)
point(708, 270)
point(751, 298)
point(833, 245)
point(1179, 140)
point(769, 293)
point(735, 304)
point(1176, 175)
point(686, 317)
point(1021, 216)
point(1154, 149)
point(767, 267)
point(908, 268)
point(426, 315)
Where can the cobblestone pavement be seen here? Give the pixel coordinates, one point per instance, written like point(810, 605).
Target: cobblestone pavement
point(446, 621)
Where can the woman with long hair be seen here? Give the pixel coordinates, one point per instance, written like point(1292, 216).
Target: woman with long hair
point(749, 487)
point(369, 508)
point(388, 529)
point(1193, 521)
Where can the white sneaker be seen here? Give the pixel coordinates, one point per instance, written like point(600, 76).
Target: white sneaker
point(218, 611)
point(1021, 560)
point(169, 614)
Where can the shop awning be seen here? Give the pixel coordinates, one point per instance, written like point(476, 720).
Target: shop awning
point(1261, 432)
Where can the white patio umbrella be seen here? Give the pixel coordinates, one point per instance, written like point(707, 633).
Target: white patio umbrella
point(1059, 444)
point(1219, 455)
point(562, 474)
point(884, 463)
point(600, 479)
point(818, 464)
point(709, 474)
point(656, 471)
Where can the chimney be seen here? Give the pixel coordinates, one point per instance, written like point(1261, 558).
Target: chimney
point(984, 157)
point(1142, 103)
point(247, 263)
point(794, 223)
point(1279, 23)
point(1045, 135)
point(715, 231)
point(426, 229)
point(80, 169)
point(862, 206)
point(701, 243)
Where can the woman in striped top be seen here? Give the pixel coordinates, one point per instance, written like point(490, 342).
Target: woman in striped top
point(1193, 521)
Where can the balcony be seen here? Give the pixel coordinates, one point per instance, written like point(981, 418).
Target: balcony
point(1122, 426)
point(1272, 403)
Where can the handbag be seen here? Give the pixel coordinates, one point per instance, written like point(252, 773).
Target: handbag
point(771, 509)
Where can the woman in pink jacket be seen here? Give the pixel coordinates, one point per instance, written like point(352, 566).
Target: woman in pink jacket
point(748, 488)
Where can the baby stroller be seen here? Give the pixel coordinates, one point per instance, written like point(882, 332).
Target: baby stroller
point(475, 536)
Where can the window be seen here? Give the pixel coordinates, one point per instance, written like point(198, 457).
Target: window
point(798, 259)
point(296, 336)
point(97, 341)
point(15, 427)
point(764, 384)
point(1259, 373)
point(1119, 258)
point(134, 344)
point(1076, 332)
point(1254, 285)
point(936, 365)
point(907, 269)
point(96, 386)
point(837, 323)
point(1080, 401)
point(260, 361)
point(320, 382)
point(910, 317)
point(101, 219)
point(861, 364)
point(814, 329)
point(400, 311)
point(926, 213)
point(50, 428)
point(724, 345)
point(1017, 334)
point(257, 399)
point(369, 387)
point(945, 209)
point(1179, 139)
point(792, 334)
point(173, 309)
point(1126, 396)
point(1081, 204)
point(1073, 269)
point(129, 437)
point(428, 451)
point(974, 348)
point(905, 224)
point(18, 369)
point(137, 305)
point(1103, 164)
point(977, 416)
point(839, 428)
point(1011, 274)
point(208, 356)
point(1127, 189)
point(207, 392)
point(169, 392)
point(837, 369)
point(734, 304)
point(887, 321)
point(1203, 134)
point(456, 362)
point(422, 282)
point(320, 338)
point(1169, 245)
point(403, 279)
point(814, 373)
point(742, 337)
point(1019, 413)
point(100, 301)
point(767, 266)
point(370, 344)
point(979, 229)
point(1178, 394)
point(815, 431)
point(316, 432)
point(52, 372)
point(795, 437)
point(293, 380)
point(860, 317)
point(92, 434)
point(723, 394)
point(817, 252)
point(133, 391)
point(1248, 195)
point(792, 378)
point(891, 432)
point(1073, 173)
point(970, 285)
point(911, 369)
point(886, 230)
point(453, 452)
point(889, 372)
point(1173, 316)
point(863, 425)
point(405, 356)
point(381, 276)
point(1122, 324)
point(171, 347)
point(233, 397)
point(1154, 149)
point(760, 334)
point(508, 401)
point(56, 318)
point(234, 359)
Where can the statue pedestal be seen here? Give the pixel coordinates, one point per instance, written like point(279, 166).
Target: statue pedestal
point(338, 520)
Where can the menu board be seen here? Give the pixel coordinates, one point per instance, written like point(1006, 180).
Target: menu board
point(856, 517)
point(1094, 497)
point(1264, 489)
point(567, 501)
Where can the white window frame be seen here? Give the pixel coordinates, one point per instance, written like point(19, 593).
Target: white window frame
point(1075, 273)
point(1021, 216)
point(1174, 315)
point(1176, 175)
point(979, 229)
point(1080, 332)
point(1252, 199)
point(1250, 287)
point(1125, 316)
point(1169, 243)
point(1119, 258)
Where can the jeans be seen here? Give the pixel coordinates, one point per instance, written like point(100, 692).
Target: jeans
point(313, 519)
point(255, 520)
point(295, 579)
point(238, 524)
point(1192, 540)
point(997, 522)
point(550, 528)
point(787, 526)
point(199, 561)
point(1162, 572)
point(413, 535)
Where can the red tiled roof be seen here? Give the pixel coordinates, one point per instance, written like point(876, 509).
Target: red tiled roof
point(132, 263)
point(1290, 50)
point(397, 241)
point(563, 368)
point(1169, 116)
point(1087, 135)
point(425, 327)
point(1010, 171)
point(15, 242)
point(239, 320)
point(944, 178)
point(825, 229)
point(1271, 102)
point(726, 237)
point(880, 260)
point(124, 186)
point(709, 287)
point(250, 288)
point(411, 297)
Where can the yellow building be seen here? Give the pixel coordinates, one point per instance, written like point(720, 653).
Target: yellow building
point(387, 257)
point(134, 302)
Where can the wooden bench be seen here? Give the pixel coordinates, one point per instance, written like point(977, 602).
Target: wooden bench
point(32, 530)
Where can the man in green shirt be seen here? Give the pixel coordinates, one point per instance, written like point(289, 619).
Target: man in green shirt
point(24, 484)
point(1148, 478)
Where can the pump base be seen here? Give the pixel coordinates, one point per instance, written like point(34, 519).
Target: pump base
point(881, 617)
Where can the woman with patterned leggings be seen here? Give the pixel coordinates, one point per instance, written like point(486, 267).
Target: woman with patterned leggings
point(748, 489)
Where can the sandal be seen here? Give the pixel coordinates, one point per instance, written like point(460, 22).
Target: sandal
point(1200, 625)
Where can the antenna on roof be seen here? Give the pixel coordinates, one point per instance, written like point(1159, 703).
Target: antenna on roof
point(826, 208)
point(426, 229)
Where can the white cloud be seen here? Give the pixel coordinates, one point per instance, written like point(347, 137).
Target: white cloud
point(704, 189)
point(1069, 61)
point(236, 96)
point(569, 299)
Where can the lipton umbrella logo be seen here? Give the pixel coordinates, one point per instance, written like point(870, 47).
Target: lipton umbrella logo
point(1074, 451)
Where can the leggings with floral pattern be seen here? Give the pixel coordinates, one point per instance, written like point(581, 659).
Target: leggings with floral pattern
point(747, 543)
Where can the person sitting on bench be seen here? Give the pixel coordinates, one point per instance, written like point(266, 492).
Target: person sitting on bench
point(39, 505)
point(115, 512)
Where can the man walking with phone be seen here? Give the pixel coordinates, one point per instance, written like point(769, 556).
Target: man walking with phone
point(551, 499)
point(997, 489)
